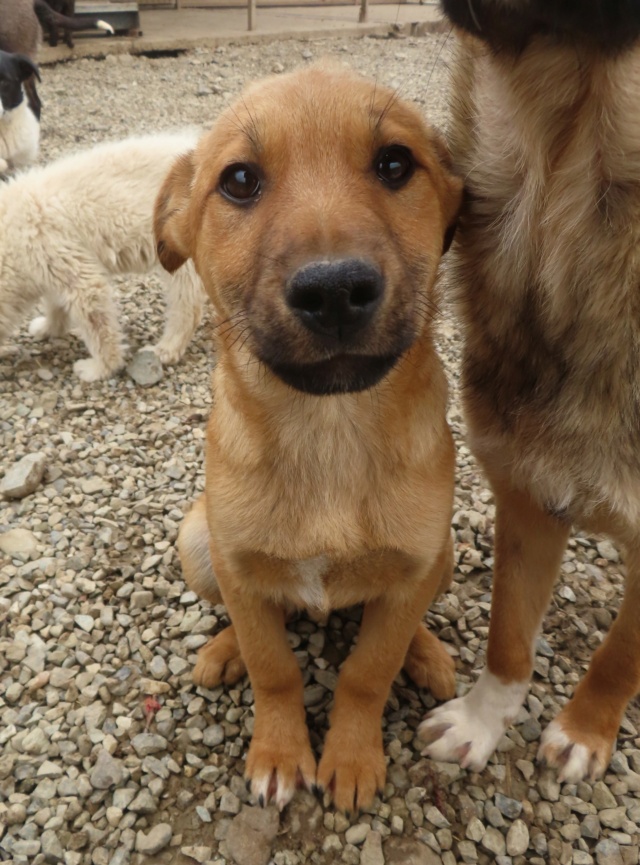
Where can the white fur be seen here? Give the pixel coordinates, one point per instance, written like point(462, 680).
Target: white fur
point(468, 729)
point(19, 137)
point(65, 228)
point(311, 589)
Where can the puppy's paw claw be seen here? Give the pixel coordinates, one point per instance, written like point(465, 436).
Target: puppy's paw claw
point(576, 756)
point(276, 772)
point(352, 773)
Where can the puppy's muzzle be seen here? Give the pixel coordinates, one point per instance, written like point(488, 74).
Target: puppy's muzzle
point(335, 298)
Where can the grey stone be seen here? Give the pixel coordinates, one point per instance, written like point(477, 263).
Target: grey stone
point(18, 541)
point(403, 851)
point(155, 840)
point(148, 743)
point(357, 834)
point(107, 772)
point(51, 846)
point(144, 803)
point(517, 838)
point(372, 849)
point(511, 808)
point(23, 477)
point(251, 835)
point(145, 368)
point(608, 853)
point(602, 797)
point(493, 841)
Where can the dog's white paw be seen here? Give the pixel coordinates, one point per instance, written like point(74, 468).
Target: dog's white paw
point(576, 760)
point(468, 729)
point(90, 369)
point(39, 327)
point(166, 352)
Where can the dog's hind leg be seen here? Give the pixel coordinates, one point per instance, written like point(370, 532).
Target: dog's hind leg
point(580, 740)
point(54, 322)
point(94, 317)
point(430, 665)
point(220, 659)
point(185, 299)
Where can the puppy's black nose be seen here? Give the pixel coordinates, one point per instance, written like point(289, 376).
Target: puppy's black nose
point(336, 298)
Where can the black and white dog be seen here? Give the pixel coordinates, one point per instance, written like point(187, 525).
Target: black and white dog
point(19, 127)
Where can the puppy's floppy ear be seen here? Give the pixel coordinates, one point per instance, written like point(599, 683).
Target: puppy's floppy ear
point(26, 67)
point(170, 215)
point(452, 192)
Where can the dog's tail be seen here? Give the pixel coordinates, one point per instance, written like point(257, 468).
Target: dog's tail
point(49, 17)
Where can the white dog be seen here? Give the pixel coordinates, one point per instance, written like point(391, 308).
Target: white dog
point(65, 228)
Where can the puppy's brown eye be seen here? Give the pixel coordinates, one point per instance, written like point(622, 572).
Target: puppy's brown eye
point(240, 183)
point(394, 165)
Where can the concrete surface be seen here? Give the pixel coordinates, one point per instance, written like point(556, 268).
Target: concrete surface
point(180, 29)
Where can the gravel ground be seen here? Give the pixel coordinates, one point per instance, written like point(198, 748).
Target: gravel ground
point(109, 755)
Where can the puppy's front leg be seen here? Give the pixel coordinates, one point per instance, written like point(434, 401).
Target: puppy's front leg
point(280, 755)
point(353, 765)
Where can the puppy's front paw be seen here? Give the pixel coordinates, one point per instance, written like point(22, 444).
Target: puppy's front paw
point(90, 369)
point(168, 352)
point(576, 753)
point(352, 767)
point(278, 763)
point(219, 660)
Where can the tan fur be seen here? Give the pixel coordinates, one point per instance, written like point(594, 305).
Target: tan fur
point(547, 275)
point(330, 500)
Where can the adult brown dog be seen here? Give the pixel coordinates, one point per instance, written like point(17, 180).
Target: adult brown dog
point(547, 134)
point(316, 211)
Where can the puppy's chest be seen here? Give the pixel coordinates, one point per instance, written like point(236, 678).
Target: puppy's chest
point(326, 582)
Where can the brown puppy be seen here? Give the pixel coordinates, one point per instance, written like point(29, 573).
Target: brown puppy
point(316, 212)
point(547, 132)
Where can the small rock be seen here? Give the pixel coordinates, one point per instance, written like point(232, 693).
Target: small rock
point(607, 551)
point(251, 834)
point(107, 772)
point(51, 846)
point(511, 808)
point(608, 853)
point(372, 849)
point(493, 841)
point(200, 854)
point(357, 834)
point(602, 797)
point(148, 743)
point(156, 840)
point(18, 541)
point(87, 623)
point(24, 477)
point(145, 368)
point(517, 838)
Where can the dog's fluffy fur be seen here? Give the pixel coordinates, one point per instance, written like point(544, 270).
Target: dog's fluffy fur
point(67, 227)
point(337, 489)
point(547, 132)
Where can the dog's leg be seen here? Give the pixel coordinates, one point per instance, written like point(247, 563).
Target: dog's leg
point(54, 322)
point(94, 316)
point(220, 659)
point(430, 665)
point(185, 299)
point(428, 662)
point(528, 551)
point(353, 765)
point(581, 738)
point(280, 756)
